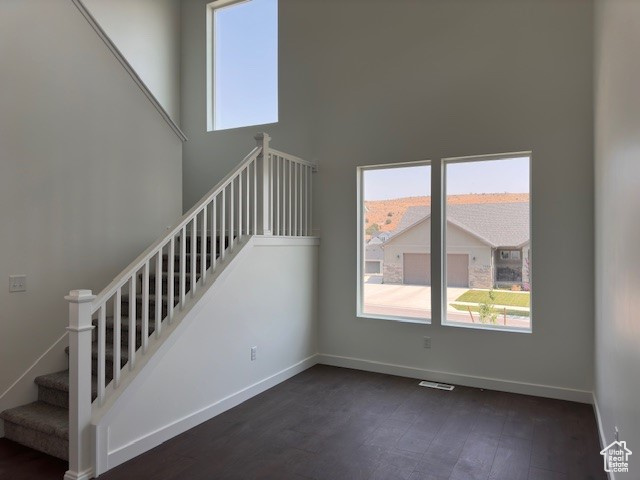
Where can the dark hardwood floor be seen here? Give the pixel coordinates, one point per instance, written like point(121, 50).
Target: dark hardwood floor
point(332, 423)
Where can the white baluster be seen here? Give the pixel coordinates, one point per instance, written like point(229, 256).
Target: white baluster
point(295, 199)
point(145, 306)
point(194, 253)
point(223, 221)
point(170, 279)
point(289, 205)
point(231, 214)
point(204, 249)
point(248, 203)
point(264, 206)
point(133, 300)
point(214, 234)
point(117, 333)
point(276, 228)
point(183, 265)
point(239, 206)
point(79, 382)
point(255, 197)
point(102, 349)
point(159, 292)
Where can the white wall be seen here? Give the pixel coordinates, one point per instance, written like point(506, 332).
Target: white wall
point(617, 71)
point(147, 32)
point(371, 82)
point(90, 174)
point(267, 300)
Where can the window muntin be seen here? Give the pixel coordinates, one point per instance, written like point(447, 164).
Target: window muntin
point(397, 245)
point(487, 242)
point(243, 63)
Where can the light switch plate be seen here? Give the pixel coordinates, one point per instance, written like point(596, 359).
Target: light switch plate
point(17, 283)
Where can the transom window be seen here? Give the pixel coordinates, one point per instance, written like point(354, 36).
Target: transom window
point(242, 63)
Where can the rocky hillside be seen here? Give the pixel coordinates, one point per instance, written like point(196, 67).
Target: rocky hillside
point(387, 213)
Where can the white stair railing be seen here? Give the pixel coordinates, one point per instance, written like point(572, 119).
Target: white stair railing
point(268, 193)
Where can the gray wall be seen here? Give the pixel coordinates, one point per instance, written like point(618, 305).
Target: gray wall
point(617, 71)
point(90, 174)
point(370, 82)
point(147, 32)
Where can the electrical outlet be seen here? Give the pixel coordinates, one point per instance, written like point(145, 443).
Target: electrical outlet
point(17, 283)
point(254, 352)
point(427, 342)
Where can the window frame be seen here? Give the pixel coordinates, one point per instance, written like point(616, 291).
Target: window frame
point(360, 262)
point(442, 205)
point(210, 67)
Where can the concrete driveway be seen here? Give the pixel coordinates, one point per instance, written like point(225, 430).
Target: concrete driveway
point(414, 301)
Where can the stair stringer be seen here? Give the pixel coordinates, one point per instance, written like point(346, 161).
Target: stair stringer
point(157, 348)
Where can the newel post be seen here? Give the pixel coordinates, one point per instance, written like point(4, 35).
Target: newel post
point(264, 185)
point(80, 326)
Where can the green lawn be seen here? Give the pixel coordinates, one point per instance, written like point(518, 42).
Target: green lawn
point(500, 312)
point(511, 299)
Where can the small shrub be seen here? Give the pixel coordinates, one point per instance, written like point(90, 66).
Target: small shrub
point(390, 214)
point(372, 229)
point(387, 221)
point(486, 310)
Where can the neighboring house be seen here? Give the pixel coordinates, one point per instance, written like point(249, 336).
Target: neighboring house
point(373, 256)
point(487, 245)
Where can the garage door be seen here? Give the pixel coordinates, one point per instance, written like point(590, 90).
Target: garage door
point(417, 269)
point(457, 270)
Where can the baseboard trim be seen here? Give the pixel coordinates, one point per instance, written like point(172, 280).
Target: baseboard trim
point(601, 435)
point(537, 390)
point(153, 439)
point(85, 475)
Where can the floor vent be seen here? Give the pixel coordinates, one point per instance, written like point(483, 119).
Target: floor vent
point(439, 386)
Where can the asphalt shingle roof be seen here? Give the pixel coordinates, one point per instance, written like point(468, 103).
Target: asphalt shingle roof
point(502, 224)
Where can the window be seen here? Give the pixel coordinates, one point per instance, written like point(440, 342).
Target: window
point(394, 242)
point(483, 242)
point(487, 235)
point(242, 68)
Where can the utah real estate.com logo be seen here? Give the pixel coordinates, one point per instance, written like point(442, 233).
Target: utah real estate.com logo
point(616, 457)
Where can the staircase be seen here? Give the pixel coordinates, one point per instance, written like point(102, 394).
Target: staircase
point(110, 335)
point(44, 425)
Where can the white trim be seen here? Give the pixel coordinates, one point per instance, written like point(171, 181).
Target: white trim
point(281, 241)
point(127, 66)
point(601, 435)
point(85, 475)
point(442, 202)
point(524, 388)
point(153, 439)
point(360, 215)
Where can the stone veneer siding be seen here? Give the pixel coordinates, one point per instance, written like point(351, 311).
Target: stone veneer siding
point(480, 276)
point(392, 273)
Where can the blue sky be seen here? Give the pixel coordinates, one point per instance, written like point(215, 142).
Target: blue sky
point(493, 176)
point(246, 64)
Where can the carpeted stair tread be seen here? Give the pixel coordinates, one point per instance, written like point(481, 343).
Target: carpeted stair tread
point(124, 353)
point(60, 381)
point(124, 324)
point(41, 417)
